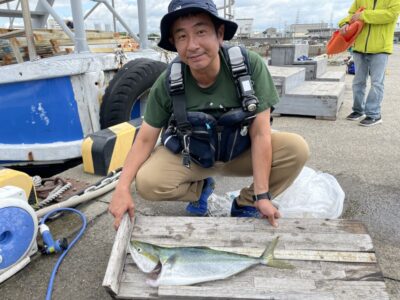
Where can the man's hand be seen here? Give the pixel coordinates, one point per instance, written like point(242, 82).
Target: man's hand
point(344, 29)
point(268, 210)
point(121, 202)
point(355, 17)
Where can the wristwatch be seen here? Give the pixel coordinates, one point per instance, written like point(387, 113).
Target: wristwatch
point(266, 195)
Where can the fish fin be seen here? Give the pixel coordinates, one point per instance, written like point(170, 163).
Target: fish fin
point(170, 260)
point(280, 264)
point(269, 259)
point(269, 252)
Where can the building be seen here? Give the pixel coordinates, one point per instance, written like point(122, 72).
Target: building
point(301, 30)
point(245, 27)
point(271, 32)
point(320, 33)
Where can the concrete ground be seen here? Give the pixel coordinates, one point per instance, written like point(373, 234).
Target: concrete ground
point(365, 161)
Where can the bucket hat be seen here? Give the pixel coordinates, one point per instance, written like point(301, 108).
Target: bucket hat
point(178, 8)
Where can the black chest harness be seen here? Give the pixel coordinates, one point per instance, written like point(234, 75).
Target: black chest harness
point(200, 137)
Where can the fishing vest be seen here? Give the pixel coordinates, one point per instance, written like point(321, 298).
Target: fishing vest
point(199, 136)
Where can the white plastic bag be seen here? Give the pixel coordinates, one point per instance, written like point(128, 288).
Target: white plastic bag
point(312, 195)
point(219, 206)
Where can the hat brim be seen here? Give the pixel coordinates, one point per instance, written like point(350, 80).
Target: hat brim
point(168, 19)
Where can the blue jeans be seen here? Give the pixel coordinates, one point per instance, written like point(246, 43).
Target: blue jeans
point(374, 65)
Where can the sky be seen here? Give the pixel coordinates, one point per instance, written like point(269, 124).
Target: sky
point(266, 13)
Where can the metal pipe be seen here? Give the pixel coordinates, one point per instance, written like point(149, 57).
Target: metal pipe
point(112, 10)
point(142, 23)
point(28, 30)
point(114, 21)
point(12, 19)
point(91, 10)
point(41, 21)
point(57, 18)
point(224, 9)
point(79, 27)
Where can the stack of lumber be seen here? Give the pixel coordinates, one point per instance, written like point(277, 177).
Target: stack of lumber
point(51, 42)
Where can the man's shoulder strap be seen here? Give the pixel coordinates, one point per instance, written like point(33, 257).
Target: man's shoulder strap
point(174, 79)
point(176, 89)
point(238, 60)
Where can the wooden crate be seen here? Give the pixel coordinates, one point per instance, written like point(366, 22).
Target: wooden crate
point(333, 259)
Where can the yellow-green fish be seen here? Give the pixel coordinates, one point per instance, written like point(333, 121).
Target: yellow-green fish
point(190, 265)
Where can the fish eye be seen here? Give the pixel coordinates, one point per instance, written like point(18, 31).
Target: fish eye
point(139, 249)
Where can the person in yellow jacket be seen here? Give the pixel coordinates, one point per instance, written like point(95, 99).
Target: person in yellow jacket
point(370, 53)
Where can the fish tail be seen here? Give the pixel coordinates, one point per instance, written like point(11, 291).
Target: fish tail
point(268, 258)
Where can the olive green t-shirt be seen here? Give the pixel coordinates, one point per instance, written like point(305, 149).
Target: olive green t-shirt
point(220, 97)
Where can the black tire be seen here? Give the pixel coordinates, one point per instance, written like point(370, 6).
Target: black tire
point(132, 81)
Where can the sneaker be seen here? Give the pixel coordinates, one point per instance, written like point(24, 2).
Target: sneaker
point(368, 121)
point(354, 116)
point(244, 211)
point(199, 207)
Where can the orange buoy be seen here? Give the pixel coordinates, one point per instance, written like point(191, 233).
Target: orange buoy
point(341, 42)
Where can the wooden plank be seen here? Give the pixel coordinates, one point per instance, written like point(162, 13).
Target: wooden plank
point(195, 292)
point(229, 232)
point(336, 256)
point(248, 224)
point(102, 50)
point(15, 47)
point(129, 290)
point(354, 289)
point(47, 34)
point(349, 266)
point(11, 34)
point(284, 284)
point(318, 242)
point(116, 262)
point(68, 42)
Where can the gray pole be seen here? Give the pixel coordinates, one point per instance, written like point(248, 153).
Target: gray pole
point(41, 6)
point(225, 9)
point(142, 23)
point(91, 10)
point(28, 30)
point(114, 21)
point(113, 11)
point(79, 27)
point(11, 19)
point(46, 6)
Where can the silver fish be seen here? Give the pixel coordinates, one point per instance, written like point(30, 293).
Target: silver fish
point(190, 265)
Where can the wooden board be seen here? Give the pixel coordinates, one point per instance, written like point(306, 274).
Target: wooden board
point(333, 259)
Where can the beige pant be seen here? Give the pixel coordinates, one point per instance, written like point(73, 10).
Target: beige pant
point(163, 177)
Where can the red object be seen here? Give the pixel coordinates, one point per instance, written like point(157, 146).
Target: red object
point(341, 42)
